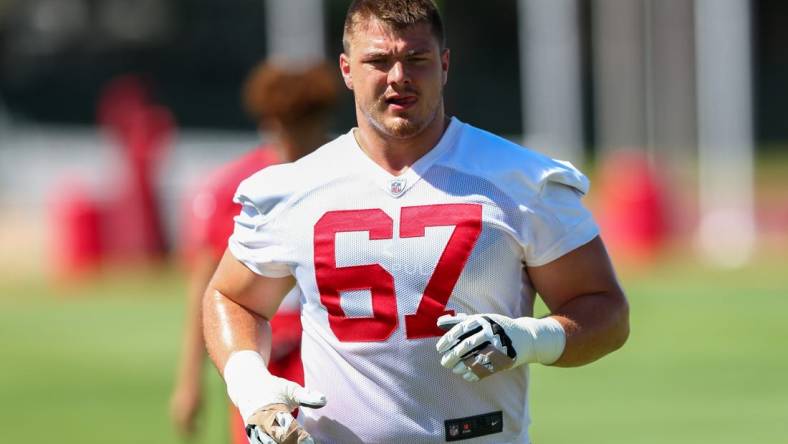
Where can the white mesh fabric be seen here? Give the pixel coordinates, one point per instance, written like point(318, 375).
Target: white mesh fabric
point(395, 390)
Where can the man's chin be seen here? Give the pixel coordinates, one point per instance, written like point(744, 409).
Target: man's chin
point(401, 128)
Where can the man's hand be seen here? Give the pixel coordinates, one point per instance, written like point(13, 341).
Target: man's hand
point(185, 404)
point(265, 401)
point(476, 346)
point(273, 423)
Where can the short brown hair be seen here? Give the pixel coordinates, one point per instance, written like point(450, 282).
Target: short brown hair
point(273, 90)
point(398, 14)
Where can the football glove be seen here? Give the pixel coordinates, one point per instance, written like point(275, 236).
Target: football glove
point(477, 346)
point(265, 401)
point(274, 424)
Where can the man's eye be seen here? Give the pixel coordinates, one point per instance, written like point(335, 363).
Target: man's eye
point(418, 60)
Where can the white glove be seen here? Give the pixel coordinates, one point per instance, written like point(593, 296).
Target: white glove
point(476, 346)
point(265, 401)
point(274, 424)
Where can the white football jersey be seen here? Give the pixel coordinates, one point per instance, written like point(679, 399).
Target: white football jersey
point(379, 258)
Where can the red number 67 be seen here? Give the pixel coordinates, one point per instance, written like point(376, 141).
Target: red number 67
point(331, 280)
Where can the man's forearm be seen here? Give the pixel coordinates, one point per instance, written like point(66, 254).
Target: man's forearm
point(595, 325)
point(239, 343)
point(230, 327)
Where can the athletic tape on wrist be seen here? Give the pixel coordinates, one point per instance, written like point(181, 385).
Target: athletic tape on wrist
point(248, 381)
point(548, 340)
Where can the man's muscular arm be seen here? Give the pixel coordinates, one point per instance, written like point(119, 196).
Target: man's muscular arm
point(589, 319)
point(583, 295)
point(236, 309)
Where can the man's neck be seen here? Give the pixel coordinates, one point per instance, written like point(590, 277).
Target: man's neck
point(394, 154)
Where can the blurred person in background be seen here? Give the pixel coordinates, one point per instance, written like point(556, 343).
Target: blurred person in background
point(419, 243)
point(293, 106)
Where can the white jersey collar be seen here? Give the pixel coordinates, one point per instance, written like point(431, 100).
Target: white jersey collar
point(397, 186)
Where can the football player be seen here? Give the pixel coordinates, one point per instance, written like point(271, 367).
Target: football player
point(418, 243)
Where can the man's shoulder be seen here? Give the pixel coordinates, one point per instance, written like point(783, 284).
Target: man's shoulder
point(491, 153)
point(510, 166)
point(309, 172)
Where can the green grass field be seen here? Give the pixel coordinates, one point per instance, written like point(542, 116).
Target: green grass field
point(707, 362)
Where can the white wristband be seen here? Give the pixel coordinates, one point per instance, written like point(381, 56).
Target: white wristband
point(248, 381)
point(547, 338)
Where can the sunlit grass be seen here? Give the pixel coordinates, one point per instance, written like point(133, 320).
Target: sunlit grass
point(706, 362)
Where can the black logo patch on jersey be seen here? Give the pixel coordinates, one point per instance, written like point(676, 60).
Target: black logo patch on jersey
point(473, 426)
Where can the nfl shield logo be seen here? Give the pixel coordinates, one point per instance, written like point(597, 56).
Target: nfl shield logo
point(397, 186)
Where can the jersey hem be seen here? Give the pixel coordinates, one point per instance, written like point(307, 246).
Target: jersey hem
point(254, 266)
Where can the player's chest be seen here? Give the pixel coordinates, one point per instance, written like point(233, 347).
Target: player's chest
point(364, 266)
point(420, 233)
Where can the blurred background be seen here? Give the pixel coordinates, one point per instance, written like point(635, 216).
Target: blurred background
point(113, 111)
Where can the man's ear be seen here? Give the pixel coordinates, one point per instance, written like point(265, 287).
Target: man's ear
point(445, 59)
point(344, 68)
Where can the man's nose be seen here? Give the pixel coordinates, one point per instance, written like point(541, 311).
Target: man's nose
point(398, 74)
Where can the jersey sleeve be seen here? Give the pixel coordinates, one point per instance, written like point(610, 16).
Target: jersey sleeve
point(556, 222)
point(257, 240)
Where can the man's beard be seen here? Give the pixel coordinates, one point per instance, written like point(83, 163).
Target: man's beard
point(400, 128)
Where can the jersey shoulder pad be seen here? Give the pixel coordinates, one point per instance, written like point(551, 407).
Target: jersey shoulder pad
point(266, 190)
point(517, 170)
point(273, 187)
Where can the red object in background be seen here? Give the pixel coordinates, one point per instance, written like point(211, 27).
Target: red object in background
point(126, 224)
point(134, 229)
point(632, 206)
point(134, 225)
point(119, 96)
point(76, 219)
